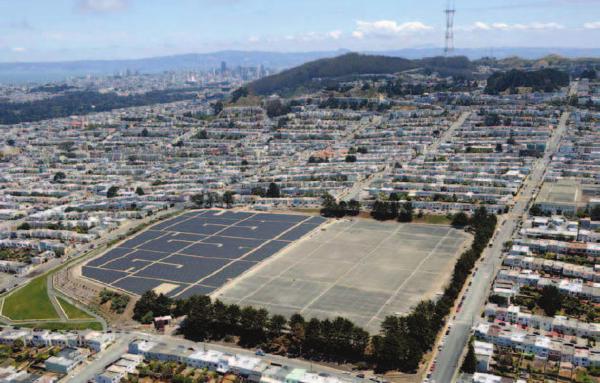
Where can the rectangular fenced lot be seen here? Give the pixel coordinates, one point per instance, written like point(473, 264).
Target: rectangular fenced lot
point(197, 252)
point(362, 270)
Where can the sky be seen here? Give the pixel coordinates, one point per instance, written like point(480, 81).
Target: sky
point(62, 30)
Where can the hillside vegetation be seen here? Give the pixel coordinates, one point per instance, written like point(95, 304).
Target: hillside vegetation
point(317, 74)
point(544, 80)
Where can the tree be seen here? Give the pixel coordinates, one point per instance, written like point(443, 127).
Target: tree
point(228, 198)
point(198, 199)
point(469, 365)
point(59, 177)
point(511, 140)
point(145, 133)
point(550, 300)
point(589, 73)
point(276, 325)
point(24, 226)
point(197, 325)
point(595, 213)
point(112, 191)
point(149, 302)
point(259, 191)
point(350, 158)
point(18, 344)
point(276, 108)
point(353, 207)
point(239, 93)
point(202, 135)
point(492, 119)
point(273, 191)
point(460, 219)
point(217, 107)
point(405, 214)
point(535, 210)
point(144, 305)
point(139, 191)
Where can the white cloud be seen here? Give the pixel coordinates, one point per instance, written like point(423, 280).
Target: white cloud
point(592, 25)
point(481, 26)
point(102, 6)
point(18, 49)
point(386, 28)
point(335, 34)
point(310, 37)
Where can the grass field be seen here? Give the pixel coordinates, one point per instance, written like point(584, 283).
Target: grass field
point(72, 311)
point(433, 219)
point(66, 326)
point(30, 302)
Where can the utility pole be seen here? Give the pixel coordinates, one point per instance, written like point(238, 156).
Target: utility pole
point(449, 11)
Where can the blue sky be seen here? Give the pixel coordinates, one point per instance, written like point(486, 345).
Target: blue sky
point(51, 30)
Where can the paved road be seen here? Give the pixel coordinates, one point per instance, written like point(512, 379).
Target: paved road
point(449, 356)
point(89, 369)
point(93, 367)
point(447, 135)
point(355, 191)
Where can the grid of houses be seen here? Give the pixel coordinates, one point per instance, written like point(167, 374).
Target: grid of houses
point(556, 246)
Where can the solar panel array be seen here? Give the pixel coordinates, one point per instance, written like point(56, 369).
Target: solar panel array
point(197, 252)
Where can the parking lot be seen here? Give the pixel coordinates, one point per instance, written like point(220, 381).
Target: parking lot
point(197, 252)
point(362, 270)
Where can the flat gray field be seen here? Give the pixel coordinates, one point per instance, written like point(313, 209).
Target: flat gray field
point(361, 269)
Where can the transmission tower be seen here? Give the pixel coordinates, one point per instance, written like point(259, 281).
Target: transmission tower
point(449, 11)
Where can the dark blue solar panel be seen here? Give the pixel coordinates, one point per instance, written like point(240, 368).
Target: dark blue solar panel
point(109, 256)
point(141, 238)
point(197, 290)
point(229, 272)
point(205, 242)
point(137, 285)
point(279, 217)
point(266, 251)
point(102, 275)
point(182, 268)
point(298, 232)
point(222, 247)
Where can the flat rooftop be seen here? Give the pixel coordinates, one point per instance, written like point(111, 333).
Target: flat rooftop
point(568, 191)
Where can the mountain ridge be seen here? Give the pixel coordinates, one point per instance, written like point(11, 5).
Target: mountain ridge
point(22, 72)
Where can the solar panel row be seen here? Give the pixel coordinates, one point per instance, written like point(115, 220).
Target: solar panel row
point(197, 252)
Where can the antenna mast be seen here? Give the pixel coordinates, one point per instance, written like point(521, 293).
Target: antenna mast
point(449, 11)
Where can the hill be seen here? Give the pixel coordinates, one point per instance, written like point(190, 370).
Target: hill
point(316, 74)
point(545, 80)
point(40, 72)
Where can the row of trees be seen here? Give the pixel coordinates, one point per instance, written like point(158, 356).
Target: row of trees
point(405, 340)
point(331, 208)
point(85, 102)
point(273, 191)
point(210, 199)
point(387, 210)
point(545, 80)
point(337, 340)
point(400, 345)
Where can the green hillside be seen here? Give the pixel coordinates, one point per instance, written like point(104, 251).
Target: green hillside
point(317, 74)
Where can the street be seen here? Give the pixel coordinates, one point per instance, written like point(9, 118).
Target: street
point(448, 358)
point(88, 370)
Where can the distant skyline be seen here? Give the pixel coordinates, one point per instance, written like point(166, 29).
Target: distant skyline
point(62, 30)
